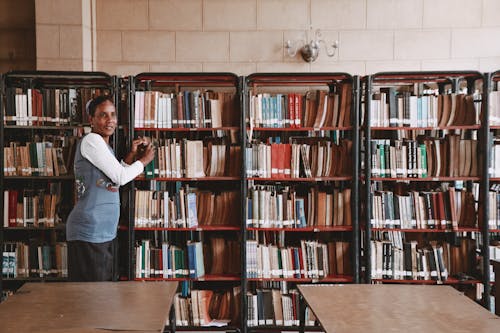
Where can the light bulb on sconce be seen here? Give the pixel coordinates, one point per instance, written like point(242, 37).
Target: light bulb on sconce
point(309, 48)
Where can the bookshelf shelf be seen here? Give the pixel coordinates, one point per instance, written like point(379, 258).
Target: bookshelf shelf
point(46, 127)
point(68, 177)
point(60, 228)
point(460, 229)
point(306, 229)
point(330, 279)
point(300, 129)
point(188, 129)
point(203, 278)
point(428, 128)
point(200, 228)
point(184, 179)
point(309, 180)
point(427, 179)
point(449, 281)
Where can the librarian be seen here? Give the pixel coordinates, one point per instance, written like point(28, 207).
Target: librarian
point(92, 224)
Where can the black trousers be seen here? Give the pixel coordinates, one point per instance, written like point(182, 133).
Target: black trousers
point(92, 261)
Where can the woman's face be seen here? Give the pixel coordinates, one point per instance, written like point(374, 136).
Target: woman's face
point(104, 120)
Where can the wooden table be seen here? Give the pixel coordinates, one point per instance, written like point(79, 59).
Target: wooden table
point(496, 269)
point(84, 307)
point(397, 308)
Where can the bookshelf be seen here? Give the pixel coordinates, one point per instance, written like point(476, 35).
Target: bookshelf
point(423, 179)
point(184, 216)
point(491, 229)
point(301, 191)
point(42, 120)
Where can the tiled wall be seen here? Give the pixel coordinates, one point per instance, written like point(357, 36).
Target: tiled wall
point(17, 35)
point(245, 36)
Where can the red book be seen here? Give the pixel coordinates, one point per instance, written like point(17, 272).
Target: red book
point(275, 160)
point(12, 208)
point(291, 109)
point(287, 159)
point(298, 110)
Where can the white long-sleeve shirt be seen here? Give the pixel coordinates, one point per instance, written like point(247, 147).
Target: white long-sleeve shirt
point(96, 150)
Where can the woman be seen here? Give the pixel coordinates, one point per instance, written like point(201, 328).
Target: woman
point(92, 224)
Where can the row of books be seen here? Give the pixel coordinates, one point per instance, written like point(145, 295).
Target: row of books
point(215, 257)
point(194, 158)
point(441, 209)
point(38, 159)
point(186, 208)
point(37, 107)
point(426, 157)
point(315, 108)
point(22, 260)
point(189, 109)
point(312, 260)
point(272, 307)
point(494, 108)
point(494, 162)
point(425, 261)
point(207, 308)
point(277, 206)
point(32, 208)
point(494, 250)
point(295, 160)
point(494, 210)
point(390, 108)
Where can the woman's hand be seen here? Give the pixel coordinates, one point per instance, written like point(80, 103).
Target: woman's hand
point(148, 155)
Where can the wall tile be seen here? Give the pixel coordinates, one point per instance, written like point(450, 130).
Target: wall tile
point(373, 67)
point(451, 13)
point(427, 44)
point(338, 14)
point(176, 67)
point(59, 64)
point(468, 43)
point(175, 15)
point(143, 46)
point(58, 11)
point(256, 46)
point(238, 68)
point(267, 67)
point(47, 41)
point(122, 14)
point(71, 42)
point(489, 64)
point(202, 46)
point(394, 14)
point(109, 45)
point(366, 45)
point(450, 64)
point(122, 68)
point(278, 14)
point(351, 67)
point(229, 15)
point(491, 11)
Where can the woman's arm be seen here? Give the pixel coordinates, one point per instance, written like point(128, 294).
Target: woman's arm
point(96, 150)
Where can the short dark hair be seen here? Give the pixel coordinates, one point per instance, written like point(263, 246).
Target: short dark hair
point(94, 103)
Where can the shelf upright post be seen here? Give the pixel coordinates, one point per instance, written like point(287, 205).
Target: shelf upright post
point(368, 195)
point(243, 92)
point(485, 185)
point(131, 194)
point(355, 179)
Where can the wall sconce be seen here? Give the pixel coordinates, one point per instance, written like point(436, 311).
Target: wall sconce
point(309, 48)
